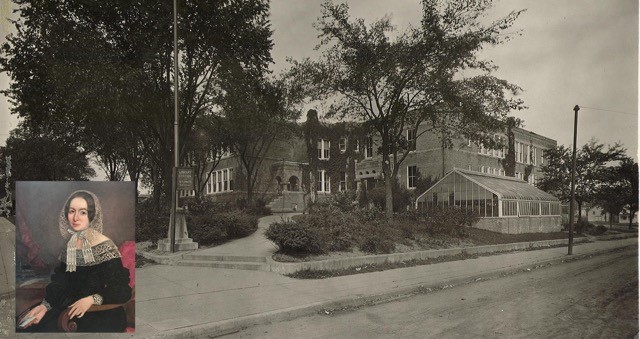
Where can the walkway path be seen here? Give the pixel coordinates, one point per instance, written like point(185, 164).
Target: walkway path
point(255, 245)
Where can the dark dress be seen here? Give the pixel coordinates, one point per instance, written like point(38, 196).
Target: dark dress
point(106, 277)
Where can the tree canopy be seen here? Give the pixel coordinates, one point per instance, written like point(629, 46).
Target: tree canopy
point(592, 161)
point(618, 189)
point(102, 71)
point(394, 81)
point(259, 111)
point(37, 156)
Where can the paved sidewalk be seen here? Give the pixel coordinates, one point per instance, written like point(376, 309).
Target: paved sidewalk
point(176, 301)
point(185, 301)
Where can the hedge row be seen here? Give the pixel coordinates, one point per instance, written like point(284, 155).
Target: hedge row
point(208, 222)
point(336, 227)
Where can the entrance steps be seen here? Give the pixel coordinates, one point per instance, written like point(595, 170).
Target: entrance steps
point(225, 261)
point(287, 202)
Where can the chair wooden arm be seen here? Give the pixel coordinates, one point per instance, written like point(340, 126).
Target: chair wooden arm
point(69, 325)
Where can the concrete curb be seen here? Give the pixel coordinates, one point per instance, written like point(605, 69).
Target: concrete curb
point(346, 263)
point(229, 326)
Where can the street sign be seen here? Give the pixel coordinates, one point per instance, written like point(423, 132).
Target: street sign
point(185, 178)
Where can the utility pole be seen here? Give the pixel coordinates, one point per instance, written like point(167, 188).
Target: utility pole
point(174, 172)
point(573, 178)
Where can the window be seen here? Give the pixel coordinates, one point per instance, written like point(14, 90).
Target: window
point(527, 157)
point(324, 182)
point(509, 208)
point(482, 169)
point(411, 139)
point(412, 176)
point(220, 181)
point(187, 193)
point(534, 156)
point(323, 149)
point(210, 183)
point(343, 144)
point(541, 156)
point(368, 152)
point(343, 182)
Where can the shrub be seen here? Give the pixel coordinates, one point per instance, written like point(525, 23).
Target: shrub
point(449, 221)
point(206, 229)
point(582, 226)
point(401, 197)
point(201, 206)
point(336, 230)
point(381, 236)
point(293, 238)
point(211, 228)
point(259, 208)
point(238, 224)
point(151, 222)
point(598, 230)
point(377, 244)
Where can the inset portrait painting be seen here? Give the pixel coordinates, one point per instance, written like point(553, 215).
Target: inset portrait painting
point(75, 256)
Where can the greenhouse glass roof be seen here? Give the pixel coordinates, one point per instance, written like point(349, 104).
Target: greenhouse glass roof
point(506, 187)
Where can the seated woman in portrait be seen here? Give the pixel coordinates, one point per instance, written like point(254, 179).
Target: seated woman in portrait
point(90, 273)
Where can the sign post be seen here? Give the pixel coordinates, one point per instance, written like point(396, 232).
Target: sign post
point(185, 179)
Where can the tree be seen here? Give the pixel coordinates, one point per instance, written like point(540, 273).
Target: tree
point(36, 156)
point(257, 112)
point(97, 64)
point(393, 85)
point(608, 195)
point(591, 167)
point(205, 147)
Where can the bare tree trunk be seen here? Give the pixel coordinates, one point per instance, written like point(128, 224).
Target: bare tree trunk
point(388, 188)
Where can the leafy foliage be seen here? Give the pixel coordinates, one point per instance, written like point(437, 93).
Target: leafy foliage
point(42, 156)
point(619, 189)
point(329, 227)
point(293, 238)
point(401, 197)
point(591, 171)
point(393, 85)
point(151, 221)
point(259, 111)
point(78, 66)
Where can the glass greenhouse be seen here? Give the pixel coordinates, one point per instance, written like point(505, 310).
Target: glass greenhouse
point(489, 195)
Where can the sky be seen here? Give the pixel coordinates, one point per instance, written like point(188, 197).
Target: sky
point(571, 52)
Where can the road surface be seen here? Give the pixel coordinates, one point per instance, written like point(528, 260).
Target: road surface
point(595, 297)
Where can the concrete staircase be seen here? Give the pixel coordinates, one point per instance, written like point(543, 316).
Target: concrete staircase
point(225, 261)
point(287, 202)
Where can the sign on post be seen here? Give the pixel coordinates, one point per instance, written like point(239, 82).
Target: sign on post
point(185, 179)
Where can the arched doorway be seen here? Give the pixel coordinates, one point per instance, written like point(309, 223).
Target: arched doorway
point(294, 184)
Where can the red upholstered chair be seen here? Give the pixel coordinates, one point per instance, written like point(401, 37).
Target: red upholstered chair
point(128, 252)
point(33, 293)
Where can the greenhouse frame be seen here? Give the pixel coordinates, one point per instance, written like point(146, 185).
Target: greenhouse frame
point(505, 204)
